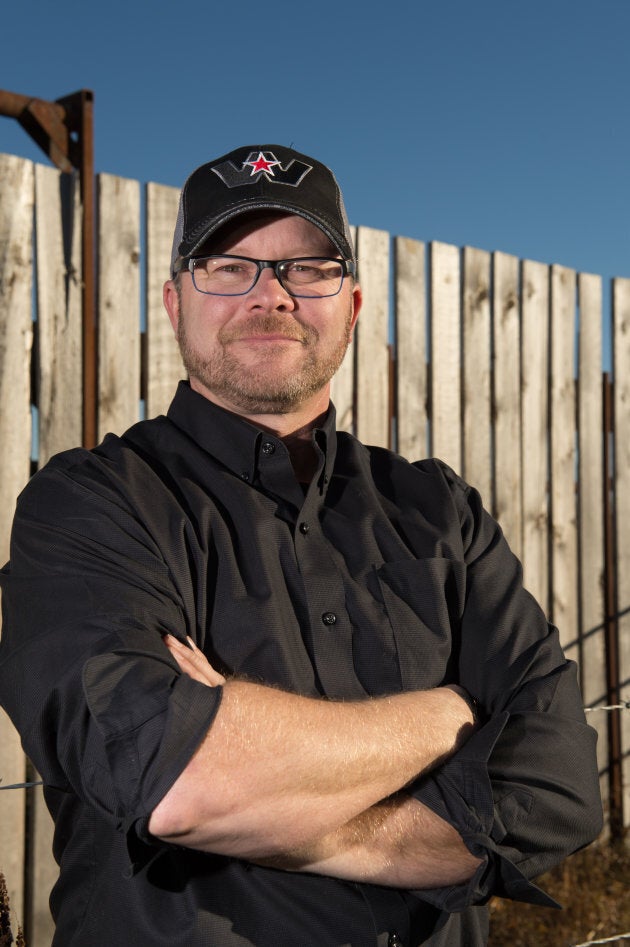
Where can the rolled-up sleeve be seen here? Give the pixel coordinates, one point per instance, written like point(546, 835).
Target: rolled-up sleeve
point(524, 791)
point(101, 705)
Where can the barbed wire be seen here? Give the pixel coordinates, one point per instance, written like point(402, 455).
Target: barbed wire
point(624, 706)
point(606, 940)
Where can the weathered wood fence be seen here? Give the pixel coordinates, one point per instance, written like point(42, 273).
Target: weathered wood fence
point(492, 363)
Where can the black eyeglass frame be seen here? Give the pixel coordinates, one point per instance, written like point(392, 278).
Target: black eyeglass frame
point(348, 268)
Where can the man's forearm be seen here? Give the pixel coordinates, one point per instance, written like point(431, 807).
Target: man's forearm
point(277, 771)
point(398, 842)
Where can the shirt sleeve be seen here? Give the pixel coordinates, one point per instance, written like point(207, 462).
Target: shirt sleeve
point(103, 711)
point(524, 791)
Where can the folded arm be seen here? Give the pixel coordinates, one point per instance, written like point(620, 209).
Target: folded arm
point(303, 784)
point(398, 842)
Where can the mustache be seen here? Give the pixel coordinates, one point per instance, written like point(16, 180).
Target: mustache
point(269, 325)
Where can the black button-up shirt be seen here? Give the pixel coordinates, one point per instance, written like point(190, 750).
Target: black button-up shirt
point(381, 576)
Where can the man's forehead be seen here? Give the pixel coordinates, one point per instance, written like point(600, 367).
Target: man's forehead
point(293, 226)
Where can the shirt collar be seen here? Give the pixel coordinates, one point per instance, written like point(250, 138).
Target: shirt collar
point(235, 442)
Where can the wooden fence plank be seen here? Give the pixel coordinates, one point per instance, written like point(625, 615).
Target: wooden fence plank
point(118, 304)
point(590, 514)
point(506, 397)
point(59, 367)
point(164, 366)
point(411, 330)
point(564, 557)
point(476, 339)
point(16, 284)
point(59, 400)
point(342, 390)
point(534, 451)
point(621, 369)
point(445, 334)
point(372, 335)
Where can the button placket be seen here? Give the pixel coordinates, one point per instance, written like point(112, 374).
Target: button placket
point(324, 585)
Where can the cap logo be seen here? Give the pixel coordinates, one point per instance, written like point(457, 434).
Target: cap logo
point(259, 163)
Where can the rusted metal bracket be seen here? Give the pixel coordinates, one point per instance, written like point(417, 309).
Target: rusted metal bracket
point(64, 130)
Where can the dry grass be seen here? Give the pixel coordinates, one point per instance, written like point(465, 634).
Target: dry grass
point(6, 934)
point(593, 887)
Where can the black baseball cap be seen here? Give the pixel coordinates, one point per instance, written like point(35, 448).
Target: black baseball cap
point(259, 177)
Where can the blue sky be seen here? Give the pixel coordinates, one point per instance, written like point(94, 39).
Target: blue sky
point(496, 124)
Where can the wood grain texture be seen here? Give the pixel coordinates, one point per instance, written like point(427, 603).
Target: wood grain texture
point(477, 359)
point(118, 304)
point(590, 511)
point(563, 459)
point(59, 331)
point(534, 429)
point(506, 377)
point(446, 355)
point(16, 336)
point(410, 294)
point(164, 366)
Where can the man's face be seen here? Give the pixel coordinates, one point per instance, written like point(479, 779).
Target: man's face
point(265, 352)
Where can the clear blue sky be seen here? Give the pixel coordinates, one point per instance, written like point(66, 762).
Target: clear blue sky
point(496, 124)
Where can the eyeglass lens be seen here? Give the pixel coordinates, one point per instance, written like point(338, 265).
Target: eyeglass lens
point(234, 276)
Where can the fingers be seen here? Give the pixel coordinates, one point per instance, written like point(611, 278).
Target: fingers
point(193, 662)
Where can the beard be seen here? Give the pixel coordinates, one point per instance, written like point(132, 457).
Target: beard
point(262, 388)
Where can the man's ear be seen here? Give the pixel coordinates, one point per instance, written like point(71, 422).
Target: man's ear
point(170, 297)
point(357, 302)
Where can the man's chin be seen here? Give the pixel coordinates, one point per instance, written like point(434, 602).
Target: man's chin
point(261, 398)
point(267, 402)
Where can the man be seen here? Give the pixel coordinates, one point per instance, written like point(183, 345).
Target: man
point(282, 688)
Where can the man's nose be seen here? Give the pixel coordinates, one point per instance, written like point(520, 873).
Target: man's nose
point(269, 291)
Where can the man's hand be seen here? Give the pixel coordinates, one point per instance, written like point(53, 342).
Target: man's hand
point(193, 662)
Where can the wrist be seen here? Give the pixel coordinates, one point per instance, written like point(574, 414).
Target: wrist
point(471, 702)
point(463, 705)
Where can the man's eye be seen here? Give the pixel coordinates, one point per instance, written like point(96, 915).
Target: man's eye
point(303, 268)
point(304, 272)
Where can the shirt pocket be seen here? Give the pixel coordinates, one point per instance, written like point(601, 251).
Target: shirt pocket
point(424, 599)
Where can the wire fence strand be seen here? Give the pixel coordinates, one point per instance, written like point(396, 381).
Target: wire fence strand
point(39, 782)
point(606, 940)
point(624, 706)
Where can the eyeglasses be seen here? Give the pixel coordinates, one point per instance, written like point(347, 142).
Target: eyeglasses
point(305, 277)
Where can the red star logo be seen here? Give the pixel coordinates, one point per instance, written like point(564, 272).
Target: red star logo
point(261, 164)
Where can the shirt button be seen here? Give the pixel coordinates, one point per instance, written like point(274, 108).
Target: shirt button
point(268, 448)
point(394, 941)
point(304, 528)
point(329, 618)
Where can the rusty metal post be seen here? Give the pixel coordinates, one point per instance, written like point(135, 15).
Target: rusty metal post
point(79, 109)
point(611, 626)
point(64, 130)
